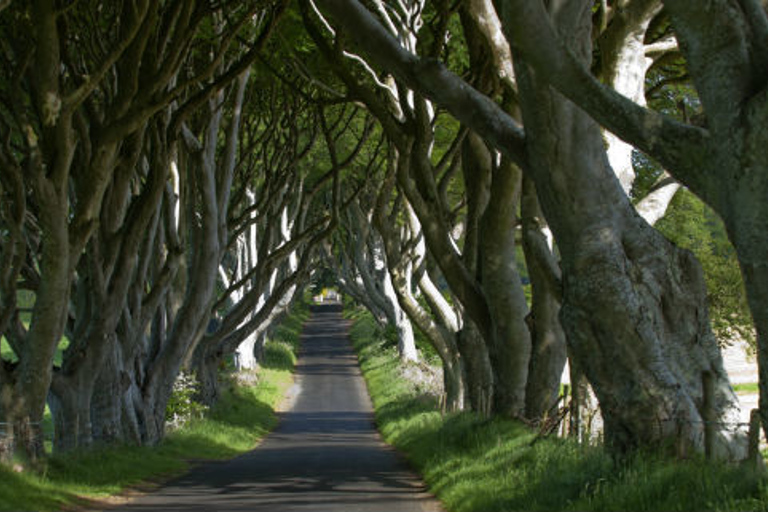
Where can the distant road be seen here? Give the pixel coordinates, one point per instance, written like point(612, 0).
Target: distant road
point(325, 455)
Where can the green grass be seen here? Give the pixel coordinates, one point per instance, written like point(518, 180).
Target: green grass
point(745, 388)
point(476, 464)
point(235, 425)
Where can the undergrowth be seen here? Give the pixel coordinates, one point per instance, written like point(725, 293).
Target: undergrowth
point(243, 415)
point(487, 465)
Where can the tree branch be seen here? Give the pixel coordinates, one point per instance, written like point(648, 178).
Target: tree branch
point(430, 78)
point(676, 146)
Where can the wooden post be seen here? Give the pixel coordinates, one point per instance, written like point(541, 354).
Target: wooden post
point(566, 403)
point(753, 454)
point(708, 413)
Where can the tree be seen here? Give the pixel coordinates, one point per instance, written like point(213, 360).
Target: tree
point(722, 161)
point(77, 110)
point(600, 240)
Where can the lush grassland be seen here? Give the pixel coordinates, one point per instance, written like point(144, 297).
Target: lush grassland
point(474, 464)
point(241, 418)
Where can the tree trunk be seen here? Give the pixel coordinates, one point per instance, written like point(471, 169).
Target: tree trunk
point(454, 386)
point(206, 367)
point(479, 372)
point(634, 306)
point(489, 252)
point(246, 357)
point(504, 292)
point(752, 253)
point(549, 351)
point(406, 343)
point(70, 407)
point(35, 370)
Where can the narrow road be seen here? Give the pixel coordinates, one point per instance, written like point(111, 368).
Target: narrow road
point(325, 455)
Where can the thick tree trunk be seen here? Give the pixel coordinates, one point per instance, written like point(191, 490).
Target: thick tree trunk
point(113, 422)
point(634, 306)
point(70, 407)
point(35, 370)
point(643, 337)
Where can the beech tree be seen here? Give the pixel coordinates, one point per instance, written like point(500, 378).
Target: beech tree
point(295, 214)
point(495, 344)
point(722, 161)
point(162, 200)
point(79, 94)
point(657, 397)
point(365, 275)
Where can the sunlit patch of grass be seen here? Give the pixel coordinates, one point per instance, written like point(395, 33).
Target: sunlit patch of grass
point(487, 465)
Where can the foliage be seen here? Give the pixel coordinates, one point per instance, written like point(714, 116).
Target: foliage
point(182, 406)
point(322, 278)
point(7, 353)
point(477, 464)
point(692, 225)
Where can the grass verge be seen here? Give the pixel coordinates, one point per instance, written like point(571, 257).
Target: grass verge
point(235, 425)
point(476, 464)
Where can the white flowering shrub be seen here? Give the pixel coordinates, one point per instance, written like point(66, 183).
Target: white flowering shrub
point(182, 406)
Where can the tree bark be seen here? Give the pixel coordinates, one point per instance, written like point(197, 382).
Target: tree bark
point(493, 199)
point(549, 351)
point(634, 306)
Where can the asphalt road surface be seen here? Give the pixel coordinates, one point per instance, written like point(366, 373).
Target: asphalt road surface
point(325, 455)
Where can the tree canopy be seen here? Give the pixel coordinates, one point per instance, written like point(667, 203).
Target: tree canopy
point(173, 175)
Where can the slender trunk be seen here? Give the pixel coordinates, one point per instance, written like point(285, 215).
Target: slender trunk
point(549, 351)
point(206, 366)
point(442, 336)
point(504, 291)
point(406, 343)
point(454, 386)
point(584, 409)
point(488, 253)
point(479, 371)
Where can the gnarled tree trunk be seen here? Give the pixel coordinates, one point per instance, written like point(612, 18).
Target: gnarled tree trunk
point(634, 306)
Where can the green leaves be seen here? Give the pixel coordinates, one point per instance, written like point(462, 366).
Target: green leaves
point(692, 225)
